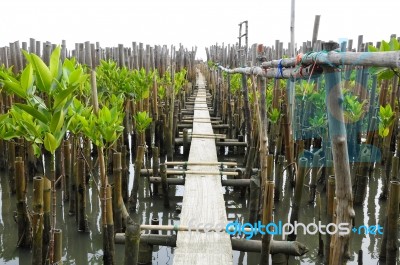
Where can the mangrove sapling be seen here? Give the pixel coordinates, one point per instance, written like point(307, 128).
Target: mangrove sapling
point(142, 121)
point(104, 128)
point(44, 120)
point(386, 119)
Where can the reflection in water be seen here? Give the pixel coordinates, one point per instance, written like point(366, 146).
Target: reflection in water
point(86, 248)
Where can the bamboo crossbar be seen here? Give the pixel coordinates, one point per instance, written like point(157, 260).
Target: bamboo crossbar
point(195, 172)
point(382, 59)
point(291, 73)
point(178, 163)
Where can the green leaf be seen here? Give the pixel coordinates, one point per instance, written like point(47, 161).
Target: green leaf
point(36, 150)
point(394, 44)
point(372, 48)
point(385, 47)
point(27, 78)
point(386, 75)
point(57, 121)
point(75, 76)
point(50, 143)
point(55, 62)
point(61, 97)
point(33, 112)
point(13, 87)
point(43, 74)
point(10, 135)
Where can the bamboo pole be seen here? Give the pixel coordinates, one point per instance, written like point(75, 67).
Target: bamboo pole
point(107, 258)
point(293, 248)
point(108, 233)
point(125, 175)
point(23, 218)
point(163, 171)
point(135, 187)
point(132, 240)
point(297, 195)
point(46, 219)
point(117, 193)
point(72, 178)
point(337, 133)
point(329, 214)
point(156, 166)
point(81, 198)
point(37, 220)
point(313, 182)
point(335, 58)
point(267, 218)
point(392, 248)
point(58, 247)
point(68, 168)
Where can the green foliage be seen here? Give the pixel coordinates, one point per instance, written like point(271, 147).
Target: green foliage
point(106, 127)
point(212, 65)
point(386, 118)
point(142, 83)
point(44, 117)
point(274, 115)
point(142, 121)
point(179, 80)
point(384, 73)
point(353, 109)
point(235, 82)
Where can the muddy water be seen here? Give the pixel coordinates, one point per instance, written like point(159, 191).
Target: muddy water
point(85, 248)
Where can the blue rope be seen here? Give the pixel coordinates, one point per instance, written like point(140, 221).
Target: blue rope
point(280, 69)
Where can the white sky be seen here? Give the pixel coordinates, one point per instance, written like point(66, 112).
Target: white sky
point(193, 23)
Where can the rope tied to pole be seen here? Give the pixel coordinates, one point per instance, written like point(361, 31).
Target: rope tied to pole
point(280, 70)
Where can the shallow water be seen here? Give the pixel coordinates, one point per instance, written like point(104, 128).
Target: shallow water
point(85, 248)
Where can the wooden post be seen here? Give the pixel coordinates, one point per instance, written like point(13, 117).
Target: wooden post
point(254, 198)
point(329, 214)
point(278, 177)
point(186, 144)
point(68, 168)
point(23, 218)
point(132, 239)
point(163, 171)
point(117, 193)
point(37, 221)
point(313, 182)
point(72, 182)
point(392, 223)
point(108, 230)
point(297, 195)
point(267, 218)
point(81, 191)
point(337, 133)
point(46, 218)
point(156, 166)
point(135, 187)
point(125, 175)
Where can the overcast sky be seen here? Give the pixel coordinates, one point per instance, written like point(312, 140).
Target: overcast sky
point(193, 23)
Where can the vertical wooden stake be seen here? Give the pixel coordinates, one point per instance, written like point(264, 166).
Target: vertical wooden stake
point(37, 221)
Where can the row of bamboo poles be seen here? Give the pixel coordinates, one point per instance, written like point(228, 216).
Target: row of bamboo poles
point(286, 143)
point(78, 160)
